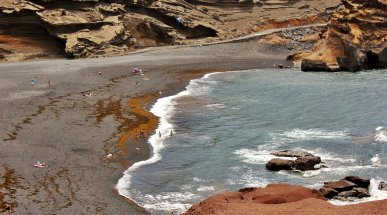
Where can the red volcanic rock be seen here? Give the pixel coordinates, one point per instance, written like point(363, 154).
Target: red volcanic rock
point(280, 199)
point(342, 185)
point(328, 192)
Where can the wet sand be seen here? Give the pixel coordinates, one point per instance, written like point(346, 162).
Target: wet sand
point(73, 133)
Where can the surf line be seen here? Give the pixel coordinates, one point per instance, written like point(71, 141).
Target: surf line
point(163, 109)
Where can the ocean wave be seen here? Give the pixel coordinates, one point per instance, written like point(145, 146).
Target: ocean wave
point(376, 160)
point(310, 134)
point(285, 137)
point(311, 173)
point(254, 157)
point(342, 170)
point(202, 86)
point(216, 106)
point(329, 157)
point(168, 202)
point(381, 134)
point(206, 188)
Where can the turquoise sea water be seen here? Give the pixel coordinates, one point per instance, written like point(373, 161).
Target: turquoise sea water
point(226, 125)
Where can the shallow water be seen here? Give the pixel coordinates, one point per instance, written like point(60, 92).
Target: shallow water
point(227, 124)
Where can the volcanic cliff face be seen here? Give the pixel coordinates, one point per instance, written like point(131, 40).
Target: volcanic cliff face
point(356, 38)
point(92, 28)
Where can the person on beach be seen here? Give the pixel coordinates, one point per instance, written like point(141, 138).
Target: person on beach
point(32, 82)
point(159, 134)
point(8, 208)
point(171, 133)
point(142, 134)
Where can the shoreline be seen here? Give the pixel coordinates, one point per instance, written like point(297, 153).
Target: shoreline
point(73, 134)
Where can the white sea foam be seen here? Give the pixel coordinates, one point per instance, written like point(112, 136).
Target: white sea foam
point(168, 201)
point(342, 170)
point(206, 188)
point(201, 86)
point(311, 173)
point(254, 157)
point(285, 137)
point(329, 157)
point(375, 193)
point(216, 106)
point(376, 160)
point(313, 134)
point(381, 134)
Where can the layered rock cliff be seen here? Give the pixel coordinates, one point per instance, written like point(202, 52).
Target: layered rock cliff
point(92, 28)
point(356, 39)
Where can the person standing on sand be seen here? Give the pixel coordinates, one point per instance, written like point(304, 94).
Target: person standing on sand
point(171, 133)
point(159, 134)
point(8, 209)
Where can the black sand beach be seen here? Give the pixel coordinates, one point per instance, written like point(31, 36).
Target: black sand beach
point(54, 122)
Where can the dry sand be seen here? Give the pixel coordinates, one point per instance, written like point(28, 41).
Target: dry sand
point(73, 133)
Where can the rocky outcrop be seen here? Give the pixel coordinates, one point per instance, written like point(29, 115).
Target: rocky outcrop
point(92, 28)
point(383, 186)
point(277, 164)
point(279, 199)
point(304, 162)
point(347, 188)
point(314, 66)
point(273, 194)
point(355, 39)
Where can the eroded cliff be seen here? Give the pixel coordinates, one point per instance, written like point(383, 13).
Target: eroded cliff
point(92, 28)
point(356, 39)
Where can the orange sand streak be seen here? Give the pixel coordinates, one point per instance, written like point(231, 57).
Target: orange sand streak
point(146, 121)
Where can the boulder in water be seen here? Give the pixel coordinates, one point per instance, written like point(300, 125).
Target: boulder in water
point(277, 164)
point(361, 182)
point(305, 163)
point(382, 186)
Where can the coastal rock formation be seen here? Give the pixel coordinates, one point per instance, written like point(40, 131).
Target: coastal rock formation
point(382, 186)
point(92, 28)
point(349, 187)
point(277, 164)
point(249, 199)
point(304, 162)
point(279, 199)
point(314, 66)
point(356, 39)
